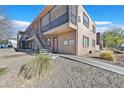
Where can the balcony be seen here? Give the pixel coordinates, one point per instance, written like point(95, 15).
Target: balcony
point(60, 21)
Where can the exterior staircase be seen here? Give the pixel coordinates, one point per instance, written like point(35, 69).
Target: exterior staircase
point(45, 44)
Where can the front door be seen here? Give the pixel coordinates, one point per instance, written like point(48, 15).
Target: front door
point(55, 44)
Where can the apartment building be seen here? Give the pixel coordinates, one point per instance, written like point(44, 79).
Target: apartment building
point(62, 29)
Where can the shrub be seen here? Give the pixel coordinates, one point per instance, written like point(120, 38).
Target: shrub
point(37, 67)
point(107, 55)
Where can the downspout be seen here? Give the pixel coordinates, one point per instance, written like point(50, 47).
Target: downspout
point(77, 31)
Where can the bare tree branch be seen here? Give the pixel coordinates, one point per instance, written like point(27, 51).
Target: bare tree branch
point(5, 24)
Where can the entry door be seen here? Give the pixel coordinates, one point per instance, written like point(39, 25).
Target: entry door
point(55, 44)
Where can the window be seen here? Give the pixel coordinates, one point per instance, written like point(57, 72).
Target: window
point(85, 20)
point(71, 42)
point(85, 41)
point(93, 43)
point(93, 28)
point(66, 42)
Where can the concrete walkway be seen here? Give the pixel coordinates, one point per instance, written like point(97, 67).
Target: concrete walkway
point(106, 66)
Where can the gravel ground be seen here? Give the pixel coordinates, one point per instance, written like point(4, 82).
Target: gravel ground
point(13, 61)
point(65, 73)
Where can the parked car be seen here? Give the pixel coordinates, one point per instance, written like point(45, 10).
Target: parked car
point(3, 46)
point(121, 48)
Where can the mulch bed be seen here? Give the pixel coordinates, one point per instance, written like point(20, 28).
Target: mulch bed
point(119, 59)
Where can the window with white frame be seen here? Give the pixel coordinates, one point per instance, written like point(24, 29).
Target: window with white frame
point(85, 41)
point(71, 42)
point(66, 42)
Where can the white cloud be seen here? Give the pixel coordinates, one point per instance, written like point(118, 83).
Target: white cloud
point(2, 17)
point(19, 26)
point(102, 29)
point(103, 22)
point(20, 23)
point(103, 26)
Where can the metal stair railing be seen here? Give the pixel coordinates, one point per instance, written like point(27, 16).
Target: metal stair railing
point(43, 41)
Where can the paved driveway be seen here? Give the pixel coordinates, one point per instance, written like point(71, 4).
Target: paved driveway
point(65, 73)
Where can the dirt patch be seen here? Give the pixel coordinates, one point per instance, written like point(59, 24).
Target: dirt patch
point(120, 57)
point(12, 56)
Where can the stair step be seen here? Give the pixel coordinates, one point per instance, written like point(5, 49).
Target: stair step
point(44, 49)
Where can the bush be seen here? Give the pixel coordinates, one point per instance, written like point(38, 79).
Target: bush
point(4, 42)
point(37, 67)
point(107, 55)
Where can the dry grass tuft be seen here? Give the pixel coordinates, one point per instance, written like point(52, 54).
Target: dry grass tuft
point(36, 68)
point(107, 55)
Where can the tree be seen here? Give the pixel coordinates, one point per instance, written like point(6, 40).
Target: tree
point(3, 42)
point(5, 24)
point(114, 37)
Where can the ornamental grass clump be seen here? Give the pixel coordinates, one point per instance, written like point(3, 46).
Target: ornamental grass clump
point(36, 68)
point(107, 55)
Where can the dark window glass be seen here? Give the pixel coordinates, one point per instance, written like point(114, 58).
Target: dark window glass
point(85, 20)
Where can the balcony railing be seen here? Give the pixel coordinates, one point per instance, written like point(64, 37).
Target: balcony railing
point(59, 21)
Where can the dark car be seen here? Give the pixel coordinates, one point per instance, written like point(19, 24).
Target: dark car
point(121, 48)
point(3, 46)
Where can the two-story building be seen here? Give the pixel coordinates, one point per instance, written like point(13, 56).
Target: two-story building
point(63, 29)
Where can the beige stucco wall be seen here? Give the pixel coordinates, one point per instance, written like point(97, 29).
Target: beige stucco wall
point(69, 49)
point(78, 49)
point(83, 30)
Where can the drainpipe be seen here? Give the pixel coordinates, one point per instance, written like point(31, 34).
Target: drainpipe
point(77, 31)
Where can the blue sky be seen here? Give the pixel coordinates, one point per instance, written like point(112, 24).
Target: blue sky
point(111, 13)
point(22, 15)
point(104, 16)
point(24, 12)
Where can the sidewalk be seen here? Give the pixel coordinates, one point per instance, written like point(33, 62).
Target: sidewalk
point(106, 66)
